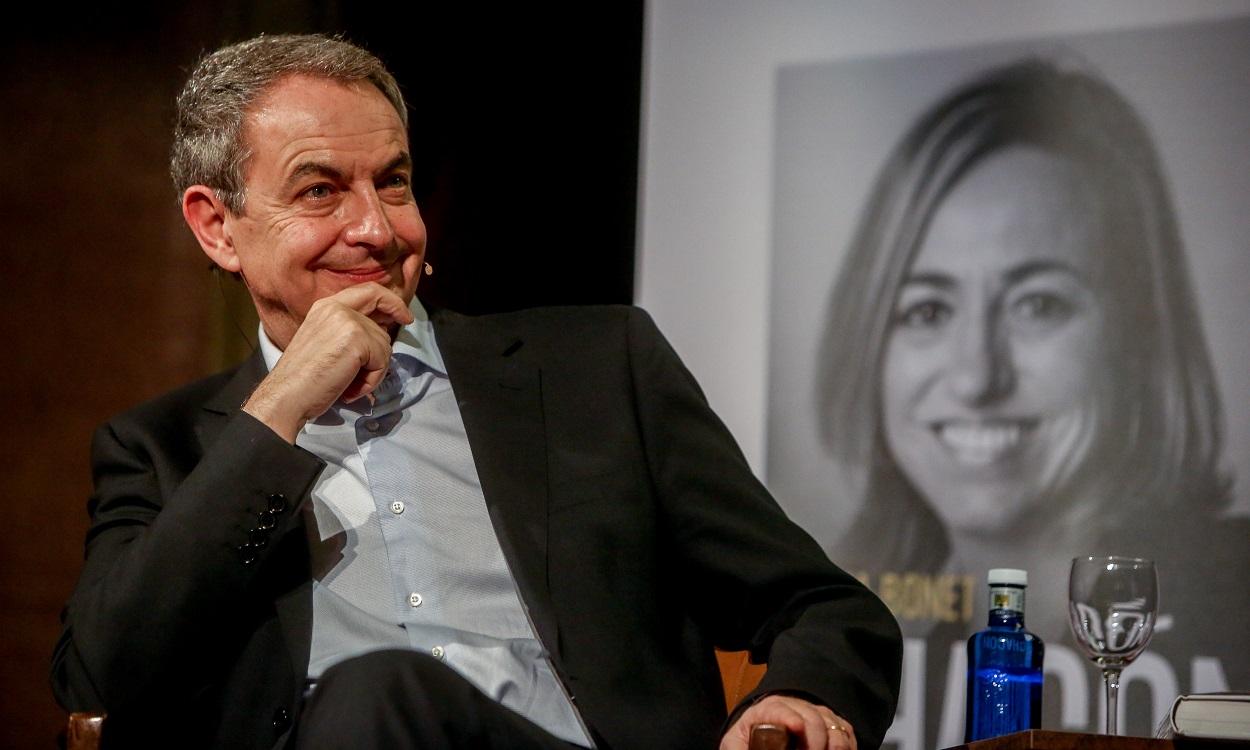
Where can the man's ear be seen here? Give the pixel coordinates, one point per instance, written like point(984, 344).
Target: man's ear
point(206, 215)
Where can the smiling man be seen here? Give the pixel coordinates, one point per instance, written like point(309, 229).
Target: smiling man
point(394, 529)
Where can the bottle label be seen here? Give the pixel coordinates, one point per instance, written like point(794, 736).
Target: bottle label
point(1007, 597)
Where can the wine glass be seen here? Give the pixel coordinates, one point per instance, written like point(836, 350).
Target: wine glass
point(1112, 605)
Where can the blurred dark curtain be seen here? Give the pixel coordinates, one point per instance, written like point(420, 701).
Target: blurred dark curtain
point(525, 132)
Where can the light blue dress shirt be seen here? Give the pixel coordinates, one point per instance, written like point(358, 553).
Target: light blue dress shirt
point(403, 551)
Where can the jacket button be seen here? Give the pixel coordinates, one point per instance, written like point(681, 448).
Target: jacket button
point(281, 720)
point(277, 502)
point(266, 520)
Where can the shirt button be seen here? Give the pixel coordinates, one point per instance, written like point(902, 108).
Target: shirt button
point(415, 599)
point(372, 425)
point(437, 652)
point(397, 507)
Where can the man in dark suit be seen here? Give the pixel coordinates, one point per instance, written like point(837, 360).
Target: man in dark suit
point(580, 529)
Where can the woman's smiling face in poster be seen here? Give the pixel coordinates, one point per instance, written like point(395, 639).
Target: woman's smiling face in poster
point(996, 363)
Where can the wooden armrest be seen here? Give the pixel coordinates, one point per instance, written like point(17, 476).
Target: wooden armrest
point(83, 731)
point(769, 737)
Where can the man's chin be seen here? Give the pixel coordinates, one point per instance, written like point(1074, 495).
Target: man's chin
point(405, 289)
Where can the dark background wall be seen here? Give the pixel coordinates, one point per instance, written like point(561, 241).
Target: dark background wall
point(525, 132)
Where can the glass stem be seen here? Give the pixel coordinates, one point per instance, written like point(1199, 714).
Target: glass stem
point(1111, 677)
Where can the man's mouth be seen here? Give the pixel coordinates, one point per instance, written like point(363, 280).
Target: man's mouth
point(981, 443)
point(362, 275)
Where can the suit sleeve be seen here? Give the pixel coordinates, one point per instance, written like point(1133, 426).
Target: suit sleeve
point(756, 580)
point(174, 554)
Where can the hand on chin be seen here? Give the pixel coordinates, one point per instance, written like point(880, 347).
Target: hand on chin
point(340, 350)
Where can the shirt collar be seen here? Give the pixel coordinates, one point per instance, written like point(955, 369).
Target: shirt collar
point(415, 340)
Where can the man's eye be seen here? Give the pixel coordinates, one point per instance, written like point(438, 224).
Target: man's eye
point(1042, 307)
point(396, 181)
point(925, 314)
point(318, 192)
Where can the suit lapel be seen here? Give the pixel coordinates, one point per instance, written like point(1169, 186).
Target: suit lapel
point(499, 391)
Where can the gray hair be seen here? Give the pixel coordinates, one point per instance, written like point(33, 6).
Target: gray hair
point(209, 147)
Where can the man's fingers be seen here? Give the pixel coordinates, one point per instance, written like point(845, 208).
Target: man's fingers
point(734, 740)
point(817, 727)
point(813, 727)
point(379, 304)
point(840, 732)
point(341, 350)
point(365, 382)
point(375, 359)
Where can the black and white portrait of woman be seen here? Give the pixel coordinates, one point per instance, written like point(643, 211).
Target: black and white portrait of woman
point(1010, 368)
point(1013, 346)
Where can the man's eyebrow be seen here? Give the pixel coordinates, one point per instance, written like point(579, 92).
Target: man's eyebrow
point(401, 162)
point(304, 169)
point(320, 169)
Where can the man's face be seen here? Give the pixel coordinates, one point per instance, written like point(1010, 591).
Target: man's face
point(328, 200)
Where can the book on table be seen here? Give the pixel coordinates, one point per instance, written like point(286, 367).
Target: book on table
point(1214, 715)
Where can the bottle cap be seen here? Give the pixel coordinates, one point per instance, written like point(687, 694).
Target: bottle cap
point(1008, 577)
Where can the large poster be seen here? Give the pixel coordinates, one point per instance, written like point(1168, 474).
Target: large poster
point(1007, 329)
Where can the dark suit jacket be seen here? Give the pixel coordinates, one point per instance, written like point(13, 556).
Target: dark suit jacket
point(637, 534)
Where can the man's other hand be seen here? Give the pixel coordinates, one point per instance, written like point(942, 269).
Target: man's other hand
point(815, 727)
point(341, 350)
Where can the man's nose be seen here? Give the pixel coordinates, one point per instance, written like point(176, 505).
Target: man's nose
point(367, 222)
point(981, 368)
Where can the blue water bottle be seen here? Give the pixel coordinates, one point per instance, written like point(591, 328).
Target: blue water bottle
point(1004, 665)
